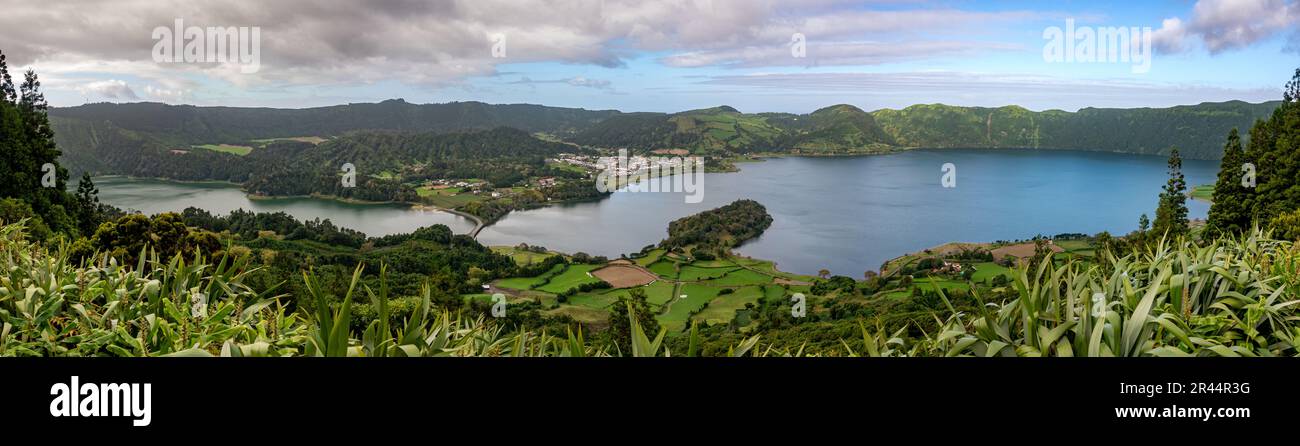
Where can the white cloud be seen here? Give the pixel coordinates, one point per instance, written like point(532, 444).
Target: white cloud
point(576, 81)
point(442, 43)
point(1171, 37)
point(1037, 92)
point(108, 89)
point(830, 53)
point(579, 81)
point(1225, 25)
point(165, 95)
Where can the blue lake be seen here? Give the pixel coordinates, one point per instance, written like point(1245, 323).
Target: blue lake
point(845, 214)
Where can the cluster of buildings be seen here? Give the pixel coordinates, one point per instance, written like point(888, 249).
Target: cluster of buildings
point(623, 165)
point(577, 160)
point(444, 184)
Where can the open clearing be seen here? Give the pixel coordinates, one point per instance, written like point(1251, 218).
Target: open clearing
point(450, 198)
point(226, 148)
point(988, 270)
point(721, 309)
point(522, 257)
point(527, 283)
point(664, 278)
point(622, 275)
point(575, 275)
point(1204, 192)
point(307, 139)
point(1022, 250)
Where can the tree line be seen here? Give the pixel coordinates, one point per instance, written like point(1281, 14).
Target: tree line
point(1259, 183)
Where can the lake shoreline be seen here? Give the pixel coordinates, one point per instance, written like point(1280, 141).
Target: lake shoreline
point(846, 214)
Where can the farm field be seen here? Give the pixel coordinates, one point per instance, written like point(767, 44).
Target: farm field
point(702, 282)
point(306, 139)
point(718, 291)
point(573, 276)
point(525, 283)
point(1204, 192)
point(522, 257)
point(624, 275)
point(681, 309)
point(987, 270)
point(723, 308)
point(226, 148)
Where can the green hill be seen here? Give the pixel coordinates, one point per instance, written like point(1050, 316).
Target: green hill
point(97, 137)
point(1197, 130)
point(185, 125)
point(725, 129)
point(839, 127)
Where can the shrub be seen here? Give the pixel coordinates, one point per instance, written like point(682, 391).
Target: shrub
point(1286, 226)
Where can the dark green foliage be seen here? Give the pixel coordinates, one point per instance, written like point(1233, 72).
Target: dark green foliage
point(582, 257)
point(539, 268)
point(842, 284)
point(386, 163)
point(248, 224)
point(440, 234)
point(586, 287)
point(929, 263)
point(1193, 128)
point(127, 237)
point(645, 131)
point(29, 161)
point(1286, 226)
point(620, 325)
point(184, 125)
point(718, 229)
point(1171, 215)
point(844, 127)
point(13, 210)
point(1230, 212)
point(1275, 148)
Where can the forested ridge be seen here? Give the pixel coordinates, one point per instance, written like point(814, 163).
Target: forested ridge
point(286, 167)
point(126, 138)
point(184, 125)
point(845, 129)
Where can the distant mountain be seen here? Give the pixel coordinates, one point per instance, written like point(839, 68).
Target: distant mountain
point(287, 167)
point(131, 139)
point(727, 130)
point(1197, 130)
point(184, 125)
point(118, 138)
point(835, 128)
point(382, 158)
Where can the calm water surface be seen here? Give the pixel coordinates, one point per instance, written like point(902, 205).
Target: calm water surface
point(847, 215)
point(154, 196)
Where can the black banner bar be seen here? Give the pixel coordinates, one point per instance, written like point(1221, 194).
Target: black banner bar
point(188, 392)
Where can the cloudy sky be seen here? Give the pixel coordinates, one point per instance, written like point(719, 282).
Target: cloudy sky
point(647, 55)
